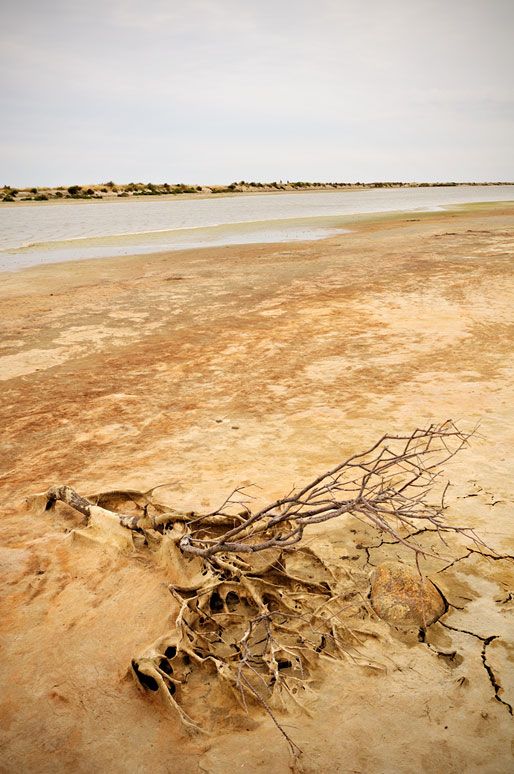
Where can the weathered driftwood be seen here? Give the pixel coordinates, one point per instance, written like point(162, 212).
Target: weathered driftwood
point(89, 507)
point(69, 496)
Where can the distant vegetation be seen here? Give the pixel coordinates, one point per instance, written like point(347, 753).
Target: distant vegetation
point(112, 190)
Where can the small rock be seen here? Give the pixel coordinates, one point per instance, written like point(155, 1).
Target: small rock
point(401, 598)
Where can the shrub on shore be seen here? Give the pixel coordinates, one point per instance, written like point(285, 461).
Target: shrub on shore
point(181, 188)
point(10, 194)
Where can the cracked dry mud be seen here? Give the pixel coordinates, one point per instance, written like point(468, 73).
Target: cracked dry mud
point(257, 364)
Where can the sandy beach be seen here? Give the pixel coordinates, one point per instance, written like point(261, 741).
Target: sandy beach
point(257, 364)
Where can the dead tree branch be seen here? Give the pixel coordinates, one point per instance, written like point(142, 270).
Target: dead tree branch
point(386, 485)
point(257, 609)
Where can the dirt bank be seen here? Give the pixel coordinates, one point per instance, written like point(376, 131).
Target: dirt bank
point(263, 364)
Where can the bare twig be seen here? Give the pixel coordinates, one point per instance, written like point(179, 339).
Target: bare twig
point(387, 485)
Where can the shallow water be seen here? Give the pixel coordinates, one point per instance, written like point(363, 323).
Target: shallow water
point(32, 235)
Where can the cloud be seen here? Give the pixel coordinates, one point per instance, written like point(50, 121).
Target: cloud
point(257, 79)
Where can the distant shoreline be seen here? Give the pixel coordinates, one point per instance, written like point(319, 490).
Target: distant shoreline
point(112, 192)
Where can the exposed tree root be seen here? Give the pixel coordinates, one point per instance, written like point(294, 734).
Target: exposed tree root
point(260, 633)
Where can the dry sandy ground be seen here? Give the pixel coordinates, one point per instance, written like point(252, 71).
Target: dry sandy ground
point(259, 364)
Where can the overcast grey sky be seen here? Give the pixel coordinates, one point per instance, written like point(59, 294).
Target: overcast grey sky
point(211, 91)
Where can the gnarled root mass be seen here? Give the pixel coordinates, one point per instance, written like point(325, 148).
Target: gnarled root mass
point(258, 609)
point(259, 628)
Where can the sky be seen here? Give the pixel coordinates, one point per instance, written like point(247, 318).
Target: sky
point(216, 91)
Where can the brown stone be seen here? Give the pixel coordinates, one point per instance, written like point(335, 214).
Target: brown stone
point(402, 598)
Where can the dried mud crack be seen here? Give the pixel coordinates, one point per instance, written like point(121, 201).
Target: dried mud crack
point(452, 658)
point(497, 687)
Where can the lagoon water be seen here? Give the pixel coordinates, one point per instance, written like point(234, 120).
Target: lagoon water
point(31, 235)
